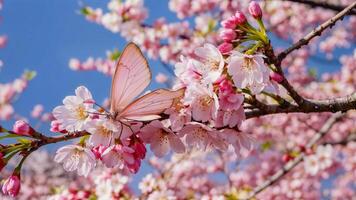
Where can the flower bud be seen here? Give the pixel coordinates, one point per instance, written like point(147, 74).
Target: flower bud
point(134, 167)
point(11, 186)
point(229, 23)
point(276, 77)
point(225, 48)
point(240, 18)
point(255, 10)
point(89, 101)
point(228, 35)
point(22, 128)
point(140, 150)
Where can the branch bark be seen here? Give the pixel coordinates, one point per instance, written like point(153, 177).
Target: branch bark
point(309, 106)
point(291, 164)
point(317, 32)
point(325, 5)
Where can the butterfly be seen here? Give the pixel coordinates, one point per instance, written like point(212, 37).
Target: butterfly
point(131, 78)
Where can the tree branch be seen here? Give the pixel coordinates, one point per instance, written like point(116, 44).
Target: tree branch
point(291, 164)
point(325, 5)
point(317, 32)
point(309, 106)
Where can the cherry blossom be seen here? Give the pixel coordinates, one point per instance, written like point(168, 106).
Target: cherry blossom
point(75, 157)
point(248, 71)
point(74, 114)
point(161, 138)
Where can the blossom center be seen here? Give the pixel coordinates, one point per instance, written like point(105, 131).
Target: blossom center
point(248, 63)
point(205, 101)
point(104, 131)
point(214, 64)
point(81, 113)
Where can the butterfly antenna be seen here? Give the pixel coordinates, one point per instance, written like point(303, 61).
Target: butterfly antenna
point(102, 107)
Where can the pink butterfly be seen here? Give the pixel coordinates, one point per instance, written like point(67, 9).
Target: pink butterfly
point(131, 77)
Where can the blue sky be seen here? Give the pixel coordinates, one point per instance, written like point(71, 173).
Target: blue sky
point(45, 34)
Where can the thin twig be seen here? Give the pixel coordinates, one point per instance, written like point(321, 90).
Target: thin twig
point(291, 164)
point(317, 32)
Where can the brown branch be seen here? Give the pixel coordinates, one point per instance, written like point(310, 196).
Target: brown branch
point(291, 164)
point(317, 32)
point(326, 5)
point(309, 106)
point(65, 137)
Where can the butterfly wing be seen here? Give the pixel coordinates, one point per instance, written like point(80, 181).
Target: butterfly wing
point(149, 106)
point(132, 76)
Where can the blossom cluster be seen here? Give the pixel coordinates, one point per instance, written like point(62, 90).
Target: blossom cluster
point(224, 71)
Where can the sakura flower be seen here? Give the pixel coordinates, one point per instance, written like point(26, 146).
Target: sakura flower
point(118, 155)
point(73, 115)
point(204, 102)
point(161, 138)
point(188, 70)
point(241, 142)
point(231, 118)
point(178, 115)
point(162, 195)
point(76, 157)
point(321, 160)
point(311, 165)
point(228, 98)
point(6, 111)
point(212, 60)
point(112, 22)
point(103, 132)
point(197, 135)
point(248, 71)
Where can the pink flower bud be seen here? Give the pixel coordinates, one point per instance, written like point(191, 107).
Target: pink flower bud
point(255, 10)
point(228, 35)
point(22, 128)
point(229, 23)
point(225, 48)
point(276, 77)
point(140, 150)
point(89, 101)
point(135, 166)
point(240, 18)
point(12, 186)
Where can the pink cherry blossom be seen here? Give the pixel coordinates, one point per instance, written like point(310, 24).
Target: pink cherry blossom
point(118, 155)
point(75, 157)
point(204, 102)
point(161, 138)
point(248, 71)
point(73, 115)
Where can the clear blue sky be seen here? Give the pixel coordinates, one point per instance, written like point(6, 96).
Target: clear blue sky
point(45, 34)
